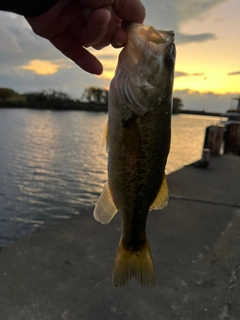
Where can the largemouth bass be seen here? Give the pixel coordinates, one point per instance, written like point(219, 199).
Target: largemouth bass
point(138, 142)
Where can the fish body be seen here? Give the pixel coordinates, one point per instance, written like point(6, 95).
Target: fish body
point(138, 142)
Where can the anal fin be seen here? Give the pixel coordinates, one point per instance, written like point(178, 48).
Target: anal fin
point(161, 199)
point(105, 208)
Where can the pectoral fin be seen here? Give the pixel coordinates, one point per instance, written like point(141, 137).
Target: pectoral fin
point(161, 199)
point(105, 208)
point(105, 138)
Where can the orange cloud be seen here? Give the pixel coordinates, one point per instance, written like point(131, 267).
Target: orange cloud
point(43, 67)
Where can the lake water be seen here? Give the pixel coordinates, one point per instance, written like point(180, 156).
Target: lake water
point(52, 164)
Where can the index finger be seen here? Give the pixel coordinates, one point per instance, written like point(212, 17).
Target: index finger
point(130, 10)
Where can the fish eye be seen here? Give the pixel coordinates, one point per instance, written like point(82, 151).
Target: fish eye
point(169, 59)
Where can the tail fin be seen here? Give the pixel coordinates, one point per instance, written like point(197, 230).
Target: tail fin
point(134, 264)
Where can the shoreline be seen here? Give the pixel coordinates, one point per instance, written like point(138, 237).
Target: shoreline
point(62, 106)
point(85, 106)
point(201, 113)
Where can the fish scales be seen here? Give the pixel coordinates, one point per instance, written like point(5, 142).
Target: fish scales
point(138, 140)
point(137, 159)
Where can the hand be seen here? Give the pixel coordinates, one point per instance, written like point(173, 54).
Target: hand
point(73, 25)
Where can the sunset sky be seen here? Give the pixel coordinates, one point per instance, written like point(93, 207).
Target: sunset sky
point(208, 54)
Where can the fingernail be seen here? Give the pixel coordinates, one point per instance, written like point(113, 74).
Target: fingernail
point(118, 44)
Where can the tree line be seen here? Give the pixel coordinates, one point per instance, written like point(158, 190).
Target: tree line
point(91, 95)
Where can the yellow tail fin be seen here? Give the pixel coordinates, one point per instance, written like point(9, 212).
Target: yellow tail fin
point(134, 264)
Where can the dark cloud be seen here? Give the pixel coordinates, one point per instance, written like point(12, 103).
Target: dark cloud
point(202, 37)
point(192, 9)
point(173, 14)
point(185, 74)
point(109, 68)
point(234, 73)
point(107, 56)
point(19, 44)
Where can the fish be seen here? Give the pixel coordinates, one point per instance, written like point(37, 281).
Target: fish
point(137, 138)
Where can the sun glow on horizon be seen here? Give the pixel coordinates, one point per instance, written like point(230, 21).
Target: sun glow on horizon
point(215, 58)
point(216, 81)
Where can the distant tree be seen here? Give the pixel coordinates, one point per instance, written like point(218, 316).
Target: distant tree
point(7, 94)
point(47, 96)
point(52, 94)
point(95, 95)
point(177, 104)
point(35, 97)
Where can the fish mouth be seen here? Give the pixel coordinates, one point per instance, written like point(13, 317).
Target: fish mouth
point(146, 40)
point(168, 36)
point(157, 36)
point(147, 60)
point(150, 34)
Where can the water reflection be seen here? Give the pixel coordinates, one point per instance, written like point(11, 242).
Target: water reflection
point(51, 166)
point(187, 139)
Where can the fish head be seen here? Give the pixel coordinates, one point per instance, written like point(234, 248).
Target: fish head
point(145, 69)
point(152, 51)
